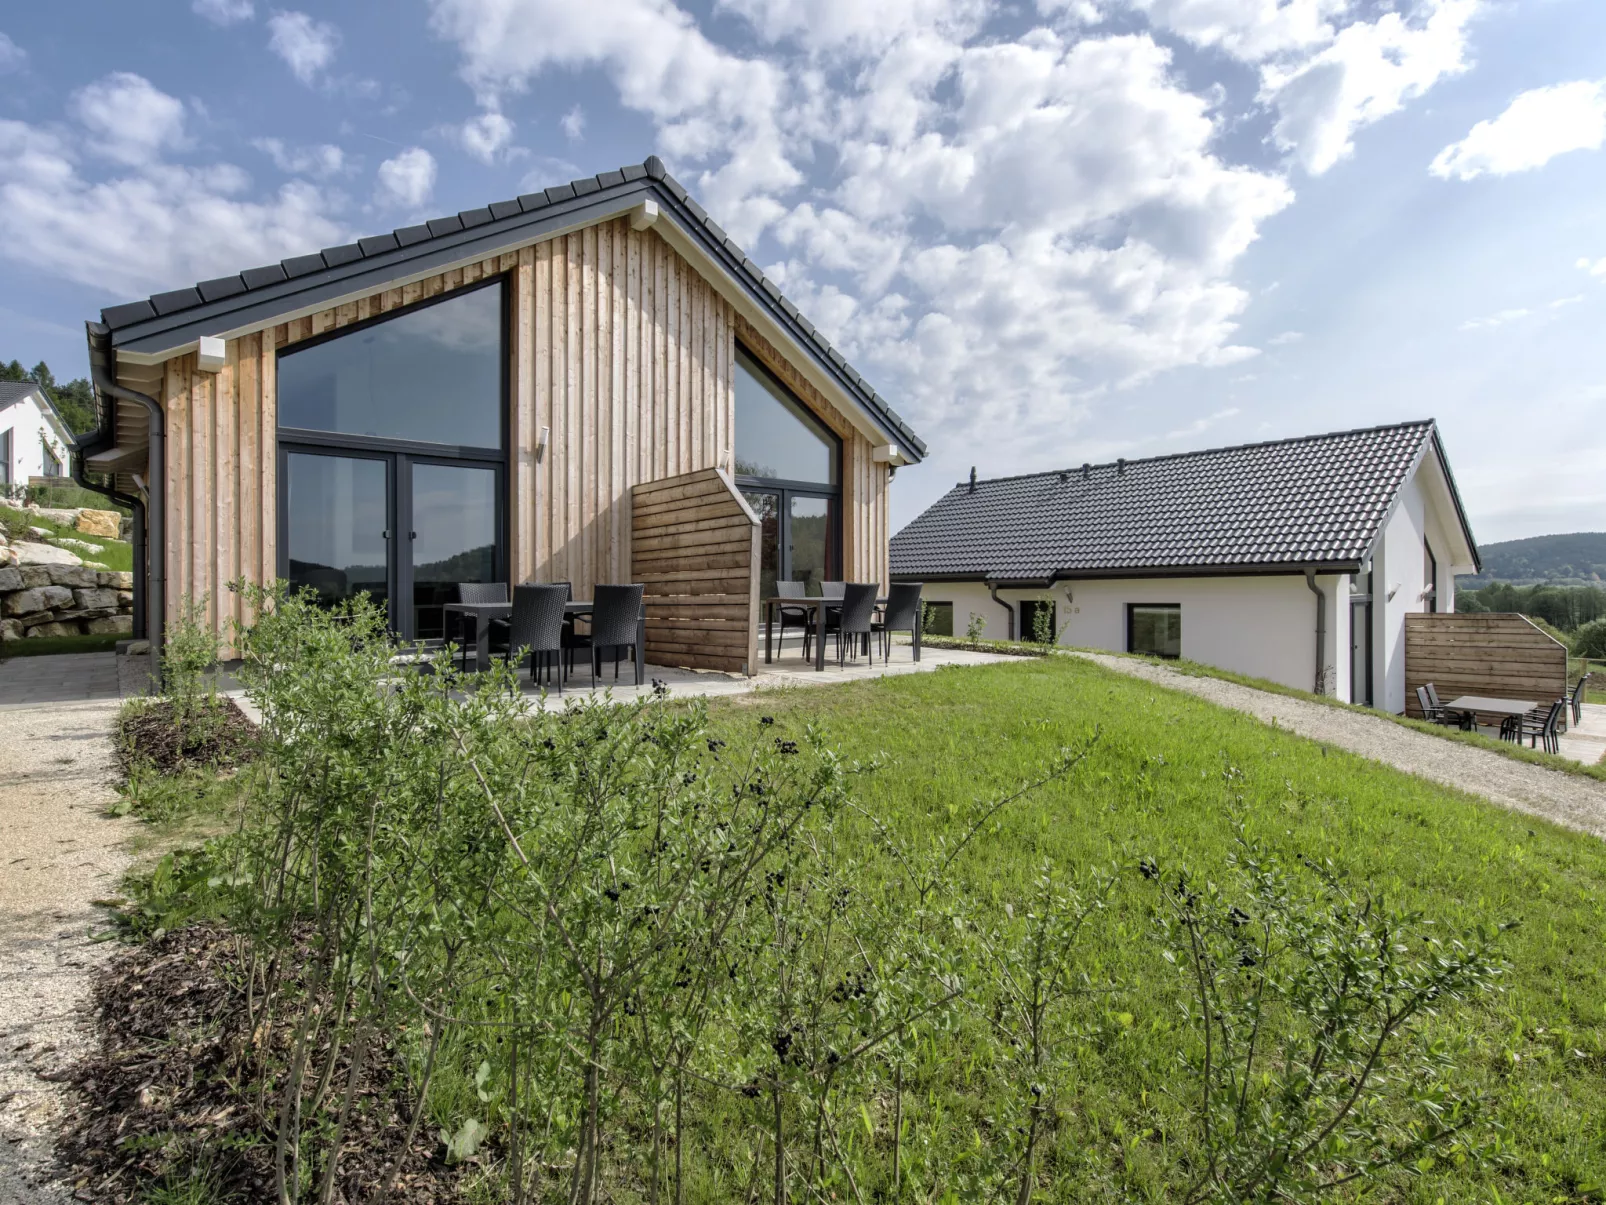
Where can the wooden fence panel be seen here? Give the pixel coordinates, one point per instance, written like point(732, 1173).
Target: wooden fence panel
point(1481, 653)
point(694, 543)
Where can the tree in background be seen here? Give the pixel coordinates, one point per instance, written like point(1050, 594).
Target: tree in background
point(1564, 607)
point(74, 401)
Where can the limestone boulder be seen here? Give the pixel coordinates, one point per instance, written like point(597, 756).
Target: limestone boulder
point(29, 553)
point(66, 516)
point(10, 629)
point(75, 577)
point(115, 579)
point(125, 599)
point(43, 533)
point(99, 523)
point(95, 599)
point(10, 579)
point(121, 625)
point(44, 598)
point(34, 575)
point(54, 629)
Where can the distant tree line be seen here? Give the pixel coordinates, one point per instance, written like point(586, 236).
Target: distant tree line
point(1566, 607)
point(74, 401)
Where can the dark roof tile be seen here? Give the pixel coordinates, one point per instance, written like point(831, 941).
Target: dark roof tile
point(300, 265)
point(178, 299)
point(474, 217)
point(447, 225)
point(585, 186)
point(533, 200)
point(504, 209)
point(268, 274)
point(1315, 500)
point(378, 244)
point(223, 286)
point(560, 192)
point(609, 179)
point(406, 236)
point(346, 253)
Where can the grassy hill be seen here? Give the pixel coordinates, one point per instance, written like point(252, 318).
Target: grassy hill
point(1576, 557)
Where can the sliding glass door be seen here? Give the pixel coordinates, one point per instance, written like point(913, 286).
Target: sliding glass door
point(393, 465)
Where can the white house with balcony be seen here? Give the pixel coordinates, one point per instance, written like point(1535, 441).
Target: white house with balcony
point(34, 441)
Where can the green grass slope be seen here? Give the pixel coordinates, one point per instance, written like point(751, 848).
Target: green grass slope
point(1169, 776)
point(113, 554)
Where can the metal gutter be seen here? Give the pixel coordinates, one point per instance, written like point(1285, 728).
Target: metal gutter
point(1321, 630)
point(149, 525)
point(135, 504)
point(992, 588)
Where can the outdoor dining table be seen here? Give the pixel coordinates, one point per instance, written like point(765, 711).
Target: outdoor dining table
point(483, 613)
point(1490, 706)
point(819, 605)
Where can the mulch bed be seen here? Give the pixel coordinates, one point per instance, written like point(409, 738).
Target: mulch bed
point(165, 1091)
point(220, 738)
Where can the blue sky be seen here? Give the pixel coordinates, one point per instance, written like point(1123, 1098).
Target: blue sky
point(1050, 231)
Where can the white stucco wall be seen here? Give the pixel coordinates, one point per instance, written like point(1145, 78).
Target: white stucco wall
point(1262, 625)
point(29, 429)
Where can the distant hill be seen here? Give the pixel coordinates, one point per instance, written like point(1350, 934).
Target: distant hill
point(1577, 558)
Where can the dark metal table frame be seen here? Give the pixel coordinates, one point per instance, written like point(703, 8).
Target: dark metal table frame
point(1474, 705)
point(819, 605)
point(483, 613)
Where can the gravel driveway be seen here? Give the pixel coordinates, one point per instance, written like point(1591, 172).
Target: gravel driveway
point(1567, 799)
point(60, 852)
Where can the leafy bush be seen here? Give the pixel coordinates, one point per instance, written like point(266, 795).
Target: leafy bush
point(1590, 640)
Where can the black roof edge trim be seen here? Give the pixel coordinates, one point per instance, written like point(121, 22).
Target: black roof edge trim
point(1069, 577)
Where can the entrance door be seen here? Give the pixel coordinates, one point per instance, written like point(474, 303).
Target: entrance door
point(1360, 652)
point(392, 526)
point(337, 526)
point(767, 507)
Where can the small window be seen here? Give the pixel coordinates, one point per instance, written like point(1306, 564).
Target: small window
point(1154, 629)
point(939, 619)
point(49, 466)
point(1430, 573)
point(1037, 621)
point(5, 457)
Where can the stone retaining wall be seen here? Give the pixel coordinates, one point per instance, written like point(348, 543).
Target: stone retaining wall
point(64, 600)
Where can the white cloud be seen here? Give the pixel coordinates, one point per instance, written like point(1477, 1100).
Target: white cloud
point(306, 45)
point(1248, 29)
point(1369, 71)
point(1536, 127)
point(706, 101)
point(12, 56)
point(1200, 425)
point(1597, 268)
point(1285, 339)
point(128, 118)
point(151, 225)
point(485, 136)
point(320, 161)
point(224, 12)
point(406, 181)
point(1506, 317)
point(574, 123)
point(854, 26)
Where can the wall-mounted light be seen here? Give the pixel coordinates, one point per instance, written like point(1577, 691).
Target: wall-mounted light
point(541, 442)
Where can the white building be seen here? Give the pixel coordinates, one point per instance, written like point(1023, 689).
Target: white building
point(1295, 560)
point(33, 440)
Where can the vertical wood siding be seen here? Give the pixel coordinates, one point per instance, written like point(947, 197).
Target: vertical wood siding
point(616, 346)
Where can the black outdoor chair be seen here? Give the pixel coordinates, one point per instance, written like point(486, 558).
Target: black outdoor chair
point(1576, 703)
point(536, 628)
point(802, 617)
point(615, 627)
point(833, 589)
point(855, 619)
point(903, 614)
point(1435, 712)
point(472, 592)
point(1534, 729)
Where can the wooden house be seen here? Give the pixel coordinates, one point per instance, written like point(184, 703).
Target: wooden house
point(588, 384)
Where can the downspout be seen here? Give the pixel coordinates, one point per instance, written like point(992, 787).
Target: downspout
point(992, 588)
point(156, 474)
point(1321, 630)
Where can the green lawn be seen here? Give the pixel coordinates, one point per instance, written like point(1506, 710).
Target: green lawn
point(113, 554)
point(1169, 776)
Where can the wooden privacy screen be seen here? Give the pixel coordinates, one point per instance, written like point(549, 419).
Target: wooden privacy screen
point(1498, 655)
point(694, 546)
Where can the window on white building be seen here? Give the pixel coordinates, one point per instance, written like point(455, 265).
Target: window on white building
point(49, 465)
point(1430, 572)
point(1154, 629)
point(939, 619)
point(5, 457)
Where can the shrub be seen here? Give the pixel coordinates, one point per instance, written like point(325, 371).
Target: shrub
point(1590, 641)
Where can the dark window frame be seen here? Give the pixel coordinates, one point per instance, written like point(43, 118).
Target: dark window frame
point(1431, 572)
point(1026, 626)
point(460, 452)
point(400, 454)
point(1131, 612)
point(787, 488)
point(940, 608)
point(5, 456)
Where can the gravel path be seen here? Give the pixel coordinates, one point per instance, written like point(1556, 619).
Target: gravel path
point(60, 852)
point(1569, 800)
